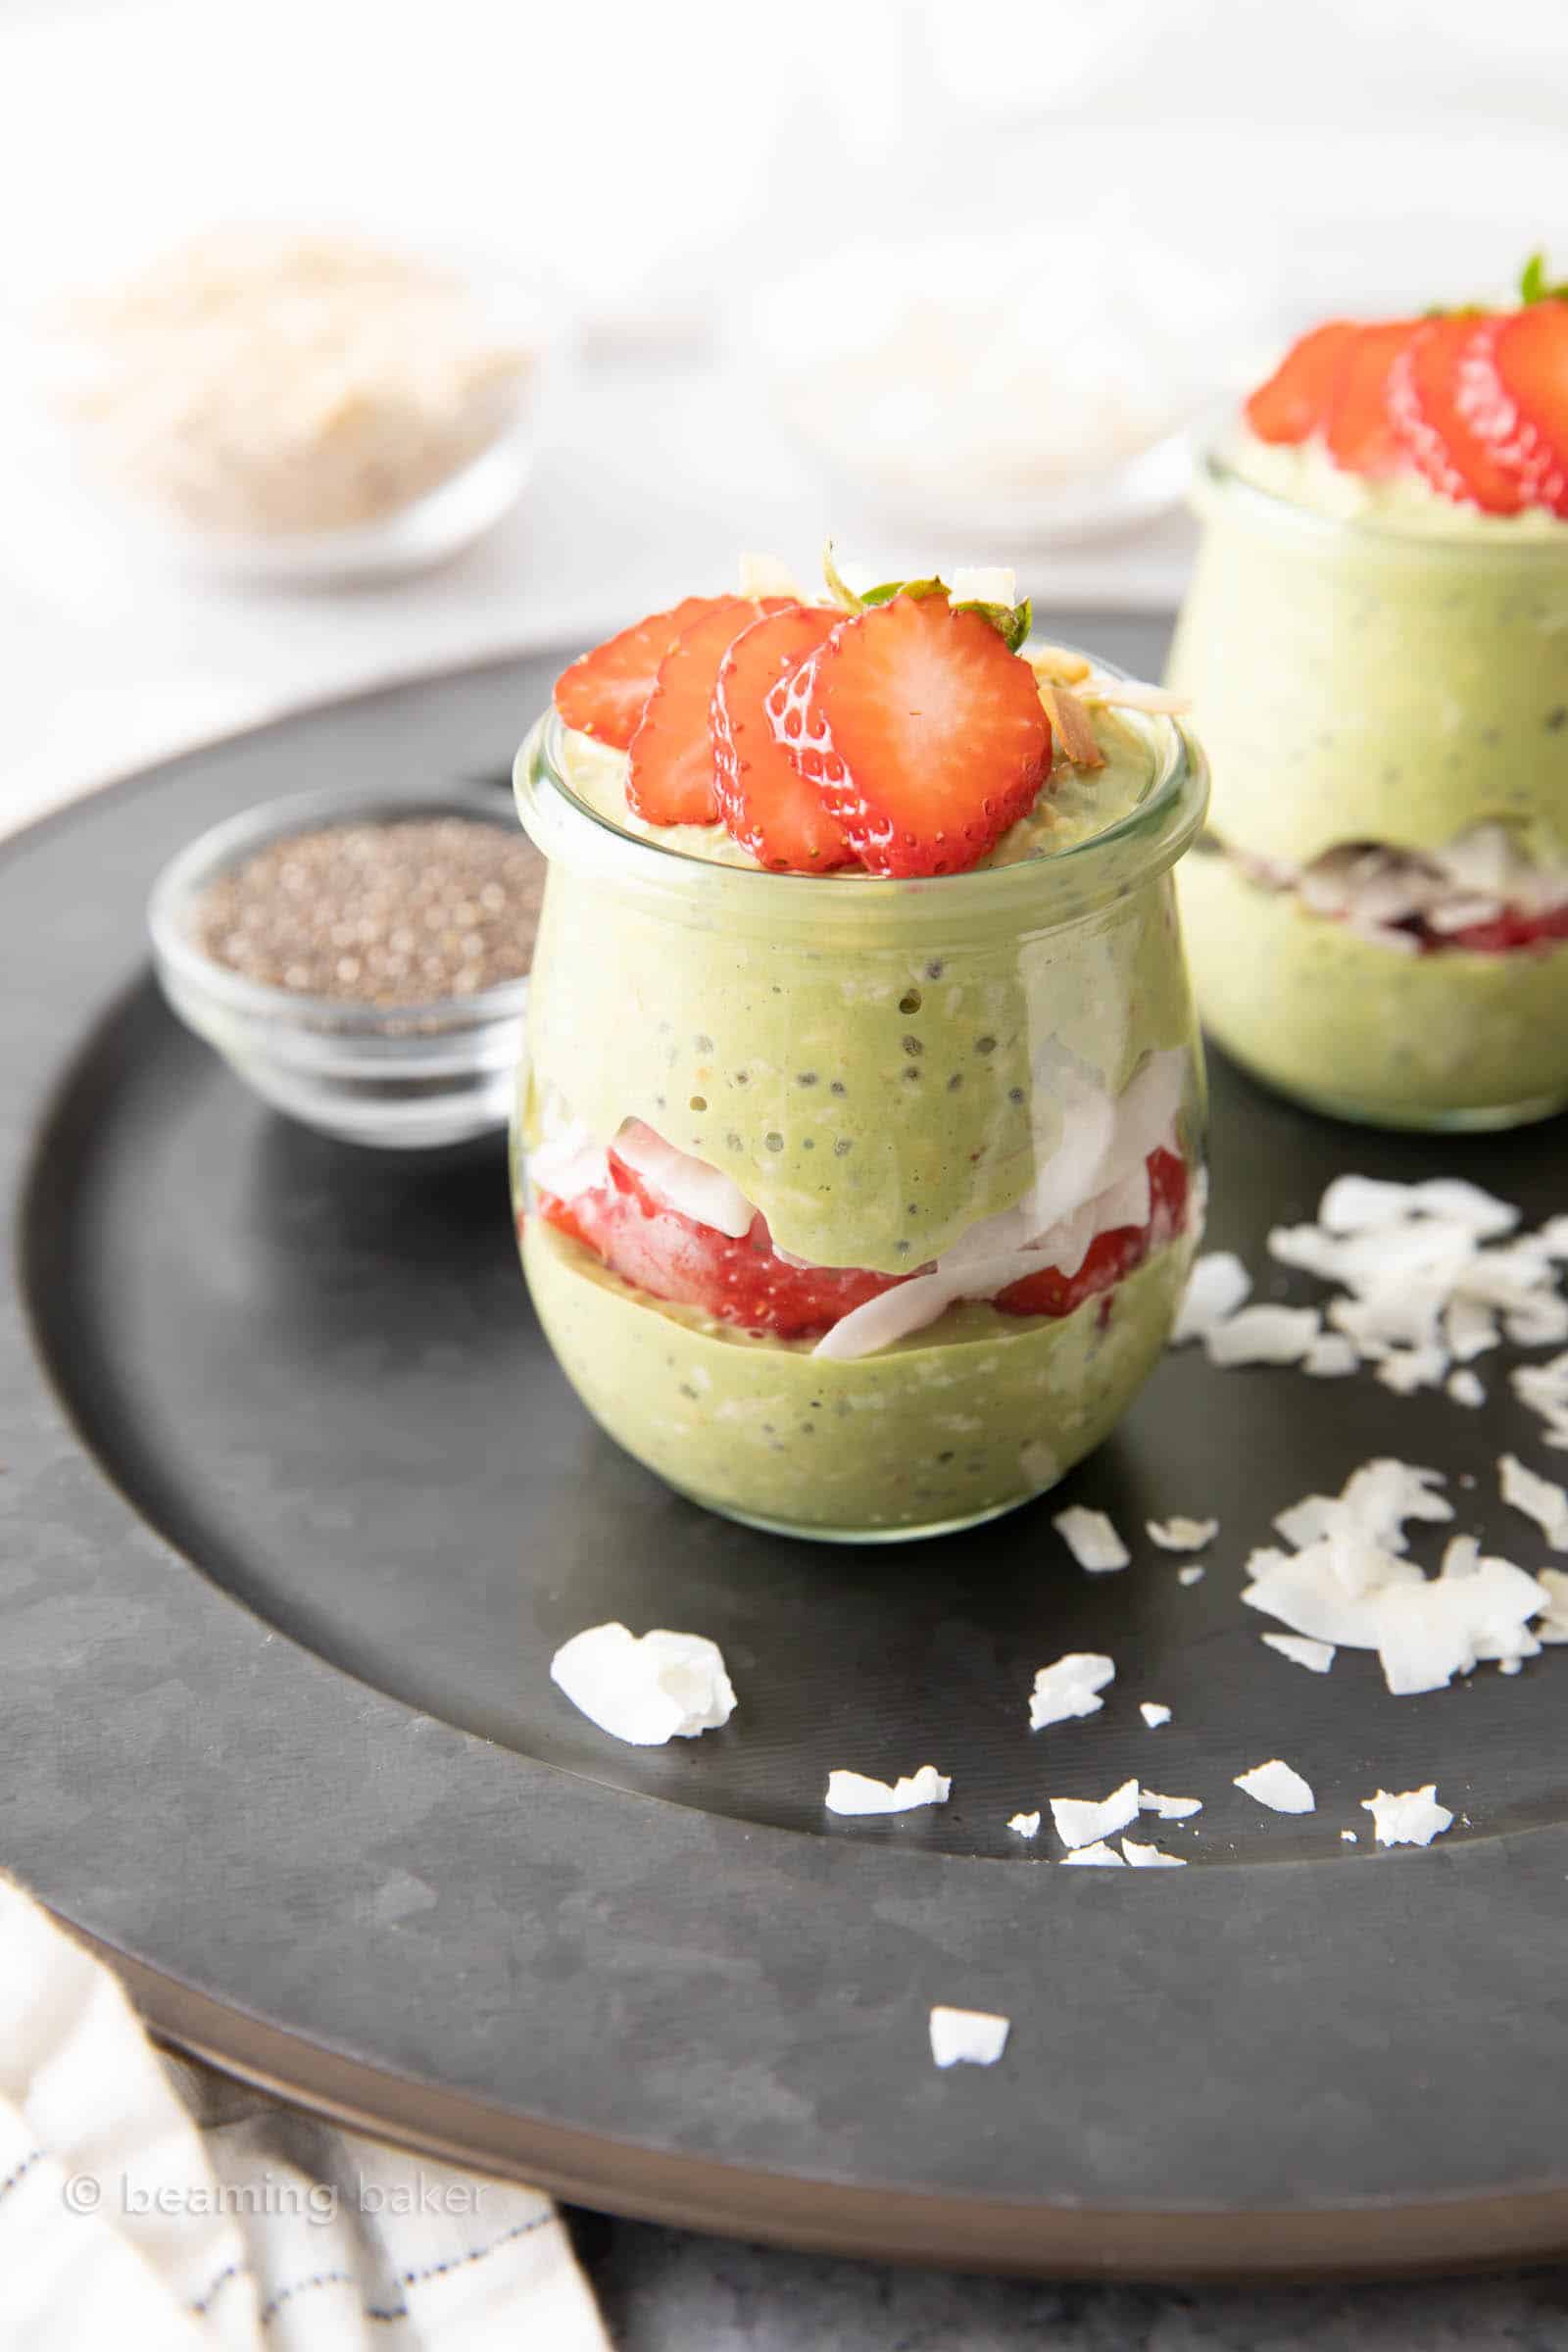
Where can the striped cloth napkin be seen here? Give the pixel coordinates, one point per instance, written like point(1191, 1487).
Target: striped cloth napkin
point(148, 2203)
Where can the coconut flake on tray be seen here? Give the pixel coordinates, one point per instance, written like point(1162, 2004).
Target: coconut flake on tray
point(1081, 1821)
point(665, 1687)
point(1539, 1499)
point(1027, 1825)
point(1216, 1286)
point(1414, 1818)
point(1543, 1389)
point(1098, 1855)
point(1302, 1651)
point(1168, 1808)
point(1182, 1534)
point(1151, 1857)
point(1263, 1335)
point(856, 1793)
point(1154, 1712)
point(967, 2036)
point(1349, 1582)
point(1069, 1688)
point(1553, 1624)
point(1192, 1574)
point(1465, 1389)
point(1278, 1786)
point(1090, 1538)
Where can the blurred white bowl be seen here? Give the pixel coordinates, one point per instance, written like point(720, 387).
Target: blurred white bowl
point(1006, 389)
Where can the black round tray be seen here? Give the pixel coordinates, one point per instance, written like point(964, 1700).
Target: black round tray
point(300, 1509)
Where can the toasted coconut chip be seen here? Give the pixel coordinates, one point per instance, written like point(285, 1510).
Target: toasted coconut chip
point(969, 2037)
point(664, 1686)
point(1151, 1857)
point(1192, 1574)
point(855, 1793)
point(1154, 1712)
point(1414, 1818)
point(1263, 1335)
point(1098, 1855)
point(1069, 1688)
point(1027, 1825)
point(1071, 727)
point(1054, 665)
point(1080, 1820)
point(1465, 1389)
point(1278, 1786)
point(1331, 1358)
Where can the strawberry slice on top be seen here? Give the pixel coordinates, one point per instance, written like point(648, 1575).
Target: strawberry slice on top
point(1516, 397)
point(1294, 403)
point(672, 779)
point(605, 692)
point(768, 806)
point(1357, 428)
point(1427, 396)
point(923, 733)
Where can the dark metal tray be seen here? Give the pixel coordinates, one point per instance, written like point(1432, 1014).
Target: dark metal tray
point(298, 1509)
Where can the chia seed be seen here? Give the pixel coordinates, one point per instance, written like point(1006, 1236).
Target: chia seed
point(405, 913)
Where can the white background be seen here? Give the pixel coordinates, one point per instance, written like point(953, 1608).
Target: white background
point(660, 162)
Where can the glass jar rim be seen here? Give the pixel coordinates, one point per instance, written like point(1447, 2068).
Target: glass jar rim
point(1218, 471)
point(1042, 890)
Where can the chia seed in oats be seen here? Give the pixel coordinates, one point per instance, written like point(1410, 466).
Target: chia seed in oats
point(402, 913)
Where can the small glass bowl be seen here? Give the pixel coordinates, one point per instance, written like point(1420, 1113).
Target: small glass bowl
point(402, 1078)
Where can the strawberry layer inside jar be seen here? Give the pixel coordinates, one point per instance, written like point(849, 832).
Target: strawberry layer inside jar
point(746, 1283)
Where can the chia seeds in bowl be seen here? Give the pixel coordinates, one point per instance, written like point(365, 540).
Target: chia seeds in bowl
point(362, 963)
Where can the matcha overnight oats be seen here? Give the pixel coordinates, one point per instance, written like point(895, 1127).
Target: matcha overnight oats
point(858, 1203)
point(1376, 642)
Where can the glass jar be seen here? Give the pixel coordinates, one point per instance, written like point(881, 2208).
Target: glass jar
point(1365, 683)
point(979, 1081)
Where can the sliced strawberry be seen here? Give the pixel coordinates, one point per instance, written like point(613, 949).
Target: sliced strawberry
point(605, 692)
point(1426, 399)
point(671, 779)
point(671, 1256)
point(1513, 928)
point(746, 1283)
point(1110, 1256)
point(925, 735)
point(1515, 397)
point(1295, 402)
point(768, 806)
point(1358, 429)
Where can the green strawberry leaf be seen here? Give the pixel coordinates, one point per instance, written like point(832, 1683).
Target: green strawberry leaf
point(1012, 622)
point(1536, 286)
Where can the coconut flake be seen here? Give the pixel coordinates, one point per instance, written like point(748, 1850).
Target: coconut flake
point(967, 2036)
point(1192, 1574)
point(1539, 1499)
point(1151, 1857)
point(1414, 1818)
point(1407, 1369)
point(664, 1686)
point(1216, 1286)
point(1153, 1712)
point(1169, 1808)
point(770, 576)
point(983, 584)
point(702, 1193)
point(1330, 1357)
point(1027, 1825)
point(1302, 1651)
point(1099, 1855)
point(1182, 1534)
point(1080, 1820)
point(855, 1793)
point(1276, 1786)
point(1069, 1687)
point(1464, 1388)
point(1263, 1335)
point(1553, 1625)
point(1090, 1538)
